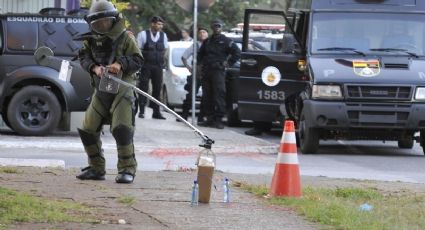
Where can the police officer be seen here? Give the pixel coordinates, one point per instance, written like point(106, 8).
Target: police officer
point(216, 53)
point(153, 43)
point(109, 50)
point(187, 102)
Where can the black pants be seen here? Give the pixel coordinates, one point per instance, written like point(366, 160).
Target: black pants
point(187, 103)
point(153, 73)
point(214, 94)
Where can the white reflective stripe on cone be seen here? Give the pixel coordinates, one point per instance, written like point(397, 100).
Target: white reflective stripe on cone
point(289, 138)
point(287, 158)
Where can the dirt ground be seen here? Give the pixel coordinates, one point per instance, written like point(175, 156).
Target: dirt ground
point(55, 183)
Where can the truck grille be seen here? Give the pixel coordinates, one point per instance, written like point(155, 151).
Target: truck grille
point(376, 115)
point(379, 92)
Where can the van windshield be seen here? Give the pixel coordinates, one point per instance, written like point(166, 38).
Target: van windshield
point(368, 33)
point(176, 56)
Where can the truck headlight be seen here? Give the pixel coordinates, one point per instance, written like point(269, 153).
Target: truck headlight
point(327, 92)
point(420, 93)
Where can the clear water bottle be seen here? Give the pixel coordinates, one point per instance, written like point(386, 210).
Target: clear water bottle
point(195, 193)
point(226, 190)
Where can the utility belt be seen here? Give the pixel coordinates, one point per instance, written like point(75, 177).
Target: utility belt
point(214, 65)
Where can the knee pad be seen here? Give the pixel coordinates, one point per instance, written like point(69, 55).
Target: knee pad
point(123, 135)
point(88, 138)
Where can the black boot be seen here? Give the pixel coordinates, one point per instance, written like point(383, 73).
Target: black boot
point(184, 116)
point(200, 118)
point(158, 115)
point(207, 123)
point(88, 173)
point(142, 112)
point(254, 132)
point(218, 124)
point(124, 178)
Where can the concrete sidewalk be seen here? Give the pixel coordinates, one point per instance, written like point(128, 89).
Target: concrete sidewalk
point(162, 201)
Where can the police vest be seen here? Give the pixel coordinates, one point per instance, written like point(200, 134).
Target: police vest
point(153, 52)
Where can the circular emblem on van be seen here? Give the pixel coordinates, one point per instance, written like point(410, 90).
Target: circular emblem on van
point(271, 76)
point(366, 68)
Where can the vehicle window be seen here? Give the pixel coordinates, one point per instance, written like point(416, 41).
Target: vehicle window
point(369, 33)
point(176, 57)
point(22, 36)
point(268, 33)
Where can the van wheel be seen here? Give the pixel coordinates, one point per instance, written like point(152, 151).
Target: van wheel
point(34, 111)
point(308, 137)
point(406, 142)
point(422, 140)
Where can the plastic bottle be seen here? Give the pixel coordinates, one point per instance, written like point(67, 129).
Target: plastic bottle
point(226, 190)
point(195, 193)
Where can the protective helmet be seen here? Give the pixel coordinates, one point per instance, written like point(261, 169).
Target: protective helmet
point(102, 16)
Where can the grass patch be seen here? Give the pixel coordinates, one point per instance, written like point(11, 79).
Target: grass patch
point(127, 200)
point(20, 207)
point(9, 170)
point(340, 207)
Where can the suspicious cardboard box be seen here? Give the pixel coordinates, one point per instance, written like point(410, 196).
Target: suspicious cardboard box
point(206, 166)
point(205, 175)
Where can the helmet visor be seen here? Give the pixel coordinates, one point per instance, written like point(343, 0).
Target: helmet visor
point(102, 25)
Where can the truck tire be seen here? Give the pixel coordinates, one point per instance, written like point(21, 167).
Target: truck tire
point(422, 140)
point(308, 137)
point(406, 142)
point(34, 111)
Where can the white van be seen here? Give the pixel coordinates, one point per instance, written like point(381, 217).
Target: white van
point(175, 74)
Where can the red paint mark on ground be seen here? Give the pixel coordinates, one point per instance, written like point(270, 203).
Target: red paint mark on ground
point(172, 152)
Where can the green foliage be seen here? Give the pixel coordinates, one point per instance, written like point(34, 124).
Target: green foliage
point(127, 200)
point(140, 12)
point(11, 170)
point(20, 207)
point(340, 208)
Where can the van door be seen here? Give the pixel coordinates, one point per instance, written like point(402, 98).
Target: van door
point(270, 75)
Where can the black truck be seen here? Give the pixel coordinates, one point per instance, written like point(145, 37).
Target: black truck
point(34, 99)
point(348, 69)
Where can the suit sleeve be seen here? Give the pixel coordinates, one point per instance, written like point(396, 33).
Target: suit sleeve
point(85, 58)
point(132, 59)
point(235, 53)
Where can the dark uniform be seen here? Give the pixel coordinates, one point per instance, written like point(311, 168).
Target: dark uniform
point(216, 53)
point(153, 52)
point(109, 47)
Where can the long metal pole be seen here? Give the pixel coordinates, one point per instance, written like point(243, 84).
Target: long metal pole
point(207, 141)
point(195, 56)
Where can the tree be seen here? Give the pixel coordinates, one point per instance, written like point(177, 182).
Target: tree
point(230, 11)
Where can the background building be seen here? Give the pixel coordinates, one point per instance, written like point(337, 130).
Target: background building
point(34, 6)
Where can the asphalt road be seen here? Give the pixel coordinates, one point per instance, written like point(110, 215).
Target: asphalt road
point(169, 145)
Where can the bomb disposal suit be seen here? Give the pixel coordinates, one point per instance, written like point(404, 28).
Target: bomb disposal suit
point(109, 50)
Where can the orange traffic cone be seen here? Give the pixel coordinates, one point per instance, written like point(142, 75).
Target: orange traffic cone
point(286, 177)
